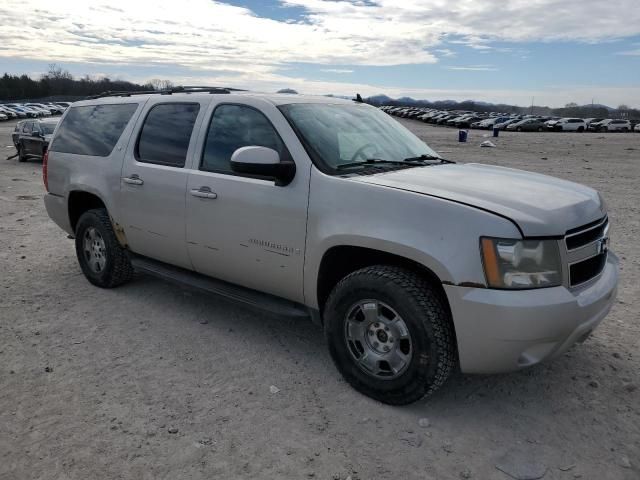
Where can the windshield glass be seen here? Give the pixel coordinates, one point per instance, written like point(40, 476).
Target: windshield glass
point(342, 134)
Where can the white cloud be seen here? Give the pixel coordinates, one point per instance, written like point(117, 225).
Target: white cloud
point(634, 53)
point(208, 34)
point(220, 41)
point(445, 52)
point(473, 68)
point(336, 70)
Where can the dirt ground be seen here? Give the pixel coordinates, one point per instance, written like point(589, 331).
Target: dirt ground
point(149, 381)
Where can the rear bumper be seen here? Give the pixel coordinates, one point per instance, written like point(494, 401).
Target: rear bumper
point(500, 331)
point(58, 212)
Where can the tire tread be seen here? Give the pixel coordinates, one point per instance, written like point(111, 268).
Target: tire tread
point(434, 312)
point(121, 270)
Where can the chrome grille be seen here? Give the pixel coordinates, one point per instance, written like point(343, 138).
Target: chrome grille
point(587, 249)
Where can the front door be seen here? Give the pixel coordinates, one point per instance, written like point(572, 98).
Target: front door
point(154, 180)
point(35, 142)
point(243, 229)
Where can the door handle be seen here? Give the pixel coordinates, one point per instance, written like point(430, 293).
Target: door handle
point(133, 180)
point(204, 192)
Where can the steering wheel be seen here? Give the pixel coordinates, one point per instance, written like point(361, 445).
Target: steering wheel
point(360, 152)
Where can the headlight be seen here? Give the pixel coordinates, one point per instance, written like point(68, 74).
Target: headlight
point(518, 264)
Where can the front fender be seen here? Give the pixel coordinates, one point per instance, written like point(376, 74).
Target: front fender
point(439, 234)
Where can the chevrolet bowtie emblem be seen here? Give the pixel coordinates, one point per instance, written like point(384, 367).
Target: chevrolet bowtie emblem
point(603, 245)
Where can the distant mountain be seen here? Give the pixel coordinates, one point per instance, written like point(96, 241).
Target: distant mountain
point(598, 105)
point(595, 110)
point(381, 99)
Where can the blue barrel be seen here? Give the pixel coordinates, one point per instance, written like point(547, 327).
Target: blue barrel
point(462, 136)
point(496, 131)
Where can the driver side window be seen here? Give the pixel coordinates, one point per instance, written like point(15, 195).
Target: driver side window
point(235, 126)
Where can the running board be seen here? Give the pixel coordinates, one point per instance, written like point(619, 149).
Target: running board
point(253, 298)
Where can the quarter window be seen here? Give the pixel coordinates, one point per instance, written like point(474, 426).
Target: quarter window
point(93, 129)
point(165, 135)
point(233, 127)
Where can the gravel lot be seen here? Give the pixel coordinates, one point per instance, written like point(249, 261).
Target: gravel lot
point(149, 381)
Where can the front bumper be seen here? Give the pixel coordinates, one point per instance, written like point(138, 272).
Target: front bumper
point(502, 330)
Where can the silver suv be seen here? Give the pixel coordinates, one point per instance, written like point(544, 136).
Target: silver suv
point(330, 209)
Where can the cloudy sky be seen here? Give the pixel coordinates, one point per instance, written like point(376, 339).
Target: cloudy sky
point(557, 51)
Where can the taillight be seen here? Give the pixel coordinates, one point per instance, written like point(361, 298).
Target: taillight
point(45, 165)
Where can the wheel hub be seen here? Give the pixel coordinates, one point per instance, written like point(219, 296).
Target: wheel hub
point(378, 339)
point(94, 250)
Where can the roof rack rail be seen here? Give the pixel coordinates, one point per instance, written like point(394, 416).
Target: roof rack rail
point(167, 91)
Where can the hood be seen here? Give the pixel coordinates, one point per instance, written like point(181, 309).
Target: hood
point(540, 205)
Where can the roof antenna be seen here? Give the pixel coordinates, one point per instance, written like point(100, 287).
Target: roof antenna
point(358, 98)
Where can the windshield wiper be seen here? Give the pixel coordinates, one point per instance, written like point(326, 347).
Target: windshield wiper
point(369, 162)
point(425, 157)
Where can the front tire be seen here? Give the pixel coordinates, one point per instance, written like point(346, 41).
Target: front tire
point(102, 259)
point(390, 334)
point(21, 155)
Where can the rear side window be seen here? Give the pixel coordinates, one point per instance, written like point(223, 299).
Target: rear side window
point(165, 135)
point(235, 126)
point(93, 130)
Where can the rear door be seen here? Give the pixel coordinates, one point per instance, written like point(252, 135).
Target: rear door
point(25, 137)
point(248, 230)
point(154, 179)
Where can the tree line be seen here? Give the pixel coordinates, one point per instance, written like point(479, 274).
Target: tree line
point(60, 83)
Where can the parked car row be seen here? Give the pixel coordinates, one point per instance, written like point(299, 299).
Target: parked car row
point(511, 122)
point(11, 111)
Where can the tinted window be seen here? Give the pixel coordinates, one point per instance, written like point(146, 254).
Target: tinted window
point(93, 130)
point(166, 132)
point(232, 127)
point(47, 128)
point(26, 128)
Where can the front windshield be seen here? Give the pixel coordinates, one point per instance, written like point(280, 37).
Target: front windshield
point(343, 134)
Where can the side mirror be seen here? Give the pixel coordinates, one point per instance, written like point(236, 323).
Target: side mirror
point(264, 162)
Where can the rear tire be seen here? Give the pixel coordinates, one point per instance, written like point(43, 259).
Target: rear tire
point(519, 129)
point(390, 334)
point(102, 259)
point(580, 129)
point(539, 129)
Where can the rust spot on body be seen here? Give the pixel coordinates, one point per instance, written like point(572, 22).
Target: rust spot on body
point(119, 231)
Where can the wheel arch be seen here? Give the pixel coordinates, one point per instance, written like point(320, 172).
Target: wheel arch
point(78, 202)
point(341, 260)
